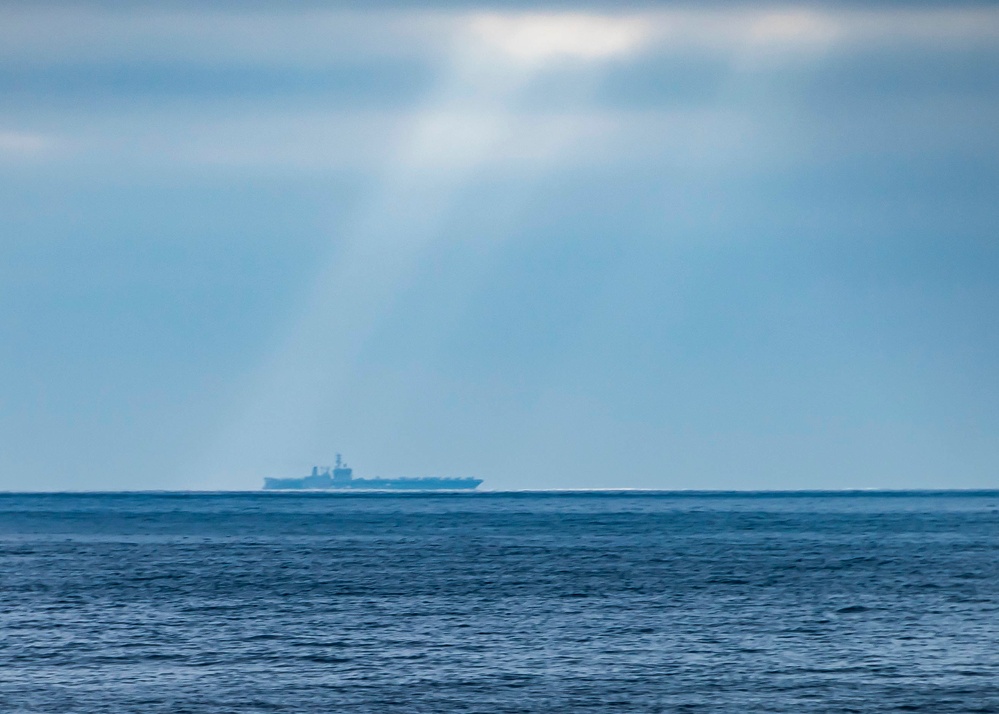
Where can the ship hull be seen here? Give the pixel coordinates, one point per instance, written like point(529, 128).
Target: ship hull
point(373, 484)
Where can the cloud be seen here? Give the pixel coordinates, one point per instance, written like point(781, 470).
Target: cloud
point(791, 27)
point(306, 36)
point(17, 143)
point(547, 99)
point(794, 28)
point(539, 37)
point(258, 36)
point(440, 138)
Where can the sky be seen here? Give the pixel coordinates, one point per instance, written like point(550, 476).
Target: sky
point(569, 245)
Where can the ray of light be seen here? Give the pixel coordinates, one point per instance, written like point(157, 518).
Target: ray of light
point(465, 124)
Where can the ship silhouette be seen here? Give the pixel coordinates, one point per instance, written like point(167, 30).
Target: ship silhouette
point(341, 476)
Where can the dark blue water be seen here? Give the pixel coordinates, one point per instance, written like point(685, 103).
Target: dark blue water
point(499, 603)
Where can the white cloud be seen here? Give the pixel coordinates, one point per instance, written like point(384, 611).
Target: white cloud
point(21, 144)
point(539, 37)
point(445, 138)
point(793, 27)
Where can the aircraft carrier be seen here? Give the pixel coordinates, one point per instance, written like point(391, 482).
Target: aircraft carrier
point(341, 476)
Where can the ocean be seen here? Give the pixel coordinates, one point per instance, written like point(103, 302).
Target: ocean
point(499, 602)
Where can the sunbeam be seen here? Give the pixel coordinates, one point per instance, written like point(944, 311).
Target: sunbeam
point(467, 123)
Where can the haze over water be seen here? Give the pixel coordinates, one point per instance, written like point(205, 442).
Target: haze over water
point(592, 244)
point(499, 602)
